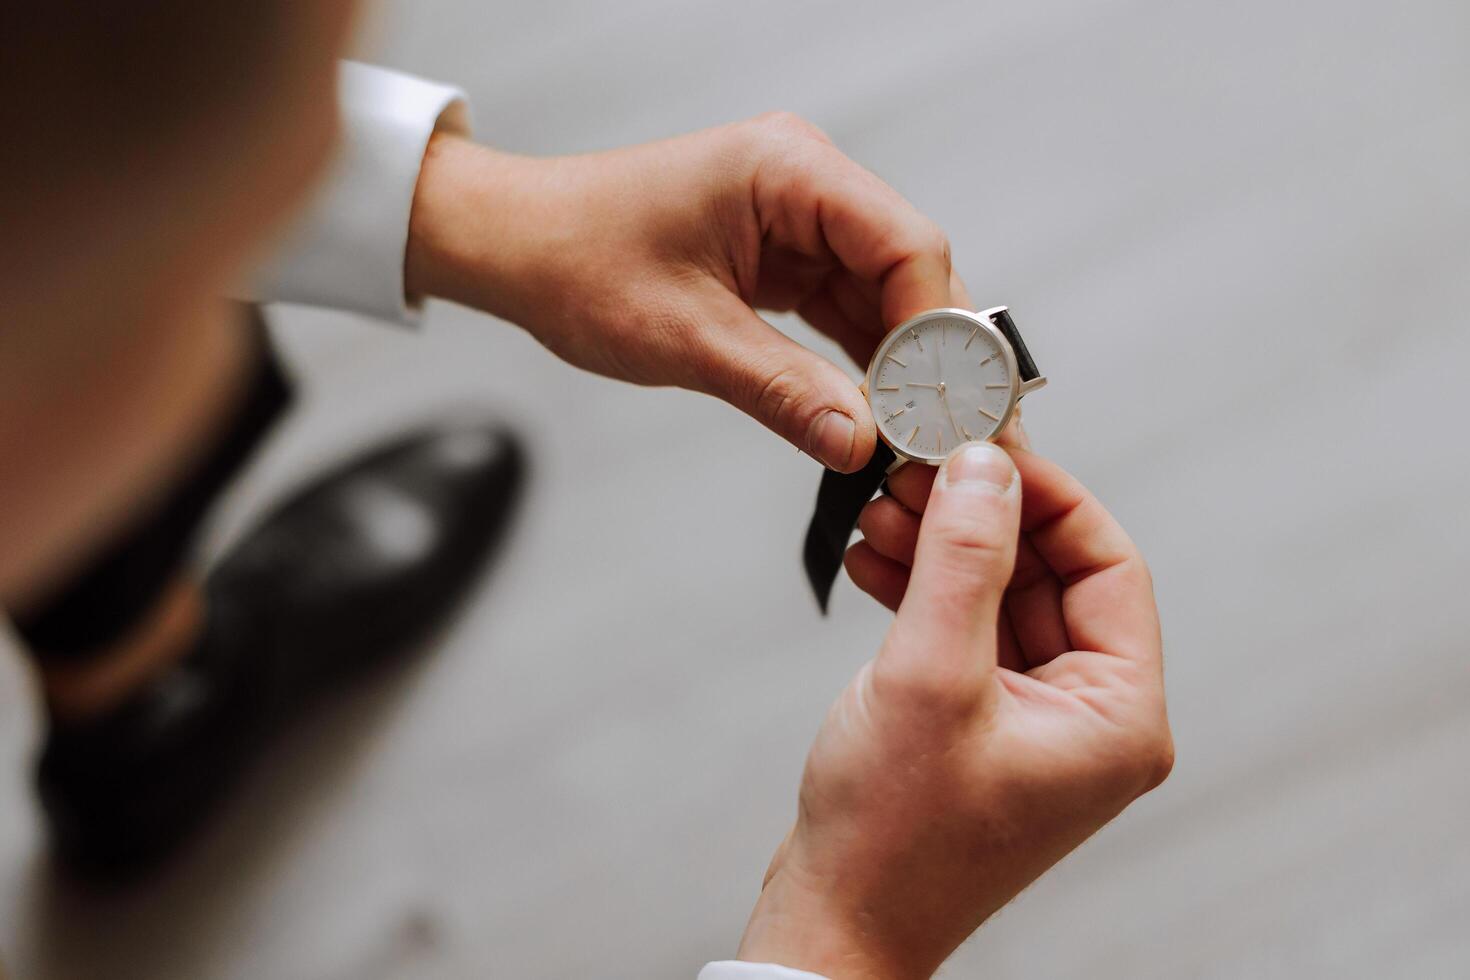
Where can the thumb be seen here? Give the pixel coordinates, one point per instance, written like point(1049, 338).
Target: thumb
point(797, 394)
point(945, 631)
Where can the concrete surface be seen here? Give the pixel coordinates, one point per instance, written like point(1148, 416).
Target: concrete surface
point(1237, 237)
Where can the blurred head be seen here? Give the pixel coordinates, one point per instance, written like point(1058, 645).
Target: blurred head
point(151, 149)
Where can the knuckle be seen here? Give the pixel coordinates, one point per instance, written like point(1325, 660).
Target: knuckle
point(936, 242)
point(787, 125)
point(779, 402)
point(1142, 761)
point(971, 541)
point(920, 238)
point(974, 539)
point(1159, 761)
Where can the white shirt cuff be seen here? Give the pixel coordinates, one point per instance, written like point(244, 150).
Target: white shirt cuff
point(347, 249)
point(739, 970)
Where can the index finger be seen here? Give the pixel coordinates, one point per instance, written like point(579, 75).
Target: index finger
point(813, 197)
point(1108, 599)
point(883, 238)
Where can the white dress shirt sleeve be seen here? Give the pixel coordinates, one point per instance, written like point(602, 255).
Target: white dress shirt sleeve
point(739, 970)
point(346, 250)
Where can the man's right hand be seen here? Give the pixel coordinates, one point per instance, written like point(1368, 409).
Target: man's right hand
point(1016, 705)
point(650, 263)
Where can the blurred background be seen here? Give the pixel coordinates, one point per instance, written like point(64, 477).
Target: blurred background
point(1237, 238)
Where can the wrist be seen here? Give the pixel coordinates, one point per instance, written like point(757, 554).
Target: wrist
point(798, 925)
point(462, 233)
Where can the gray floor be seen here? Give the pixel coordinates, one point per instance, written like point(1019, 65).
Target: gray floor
point(1238, 238)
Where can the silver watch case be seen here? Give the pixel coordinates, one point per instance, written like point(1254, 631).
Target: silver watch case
point(1019, 388)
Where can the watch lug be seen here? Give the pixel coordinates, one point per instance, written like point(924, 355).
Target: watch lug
point(1029, 386)
point(864, 387)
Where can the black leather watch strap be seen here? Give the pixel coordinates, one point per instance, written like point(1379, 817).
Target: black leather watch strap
point(1025, 366)
point(841, 497)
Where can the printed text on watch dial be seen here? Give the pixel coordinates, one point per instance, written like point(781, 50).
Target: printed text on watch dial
point(938, 384)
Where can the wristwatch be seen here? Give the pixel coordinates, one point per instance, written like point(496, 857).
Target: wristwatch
point(943, 378)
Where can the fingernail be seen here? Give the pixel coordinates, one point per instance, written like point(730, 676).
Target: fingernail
point(979, 464)
point(830, 439)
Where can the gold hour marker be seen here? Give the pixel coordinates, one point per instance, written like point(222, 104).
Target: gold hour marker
point(916, 341)
point(968, 437)
point(997, 386)
point(973, 334)
point(910, 440)
point(895, 360)
point(939, 438)
point(987, 360)
point(897, 413)
point(993, 418)
point(888, 387)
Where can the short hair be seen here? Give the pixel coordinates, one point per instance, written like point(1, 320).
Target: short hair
point(85, 82)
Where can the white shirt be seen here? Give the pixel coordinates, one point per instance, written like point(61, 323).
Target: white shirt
point(737, 970)
point(346, 250)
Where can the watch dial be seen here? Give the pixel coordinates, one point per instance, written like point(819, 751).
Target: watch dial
point(939, 380)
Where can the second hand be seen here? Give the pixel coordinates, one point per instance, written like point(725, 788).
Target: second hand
point(959, 433)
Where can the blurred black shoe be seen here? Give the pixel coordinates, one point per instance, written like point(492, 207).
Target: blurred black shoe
point(348, 573)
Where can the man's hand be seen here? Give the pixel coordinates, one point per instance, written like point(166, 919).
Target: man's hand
point(1016, 705)
point(647, 264)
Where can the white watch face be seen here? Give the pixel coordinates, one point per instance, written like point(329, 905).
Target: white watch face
point(943, 378)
